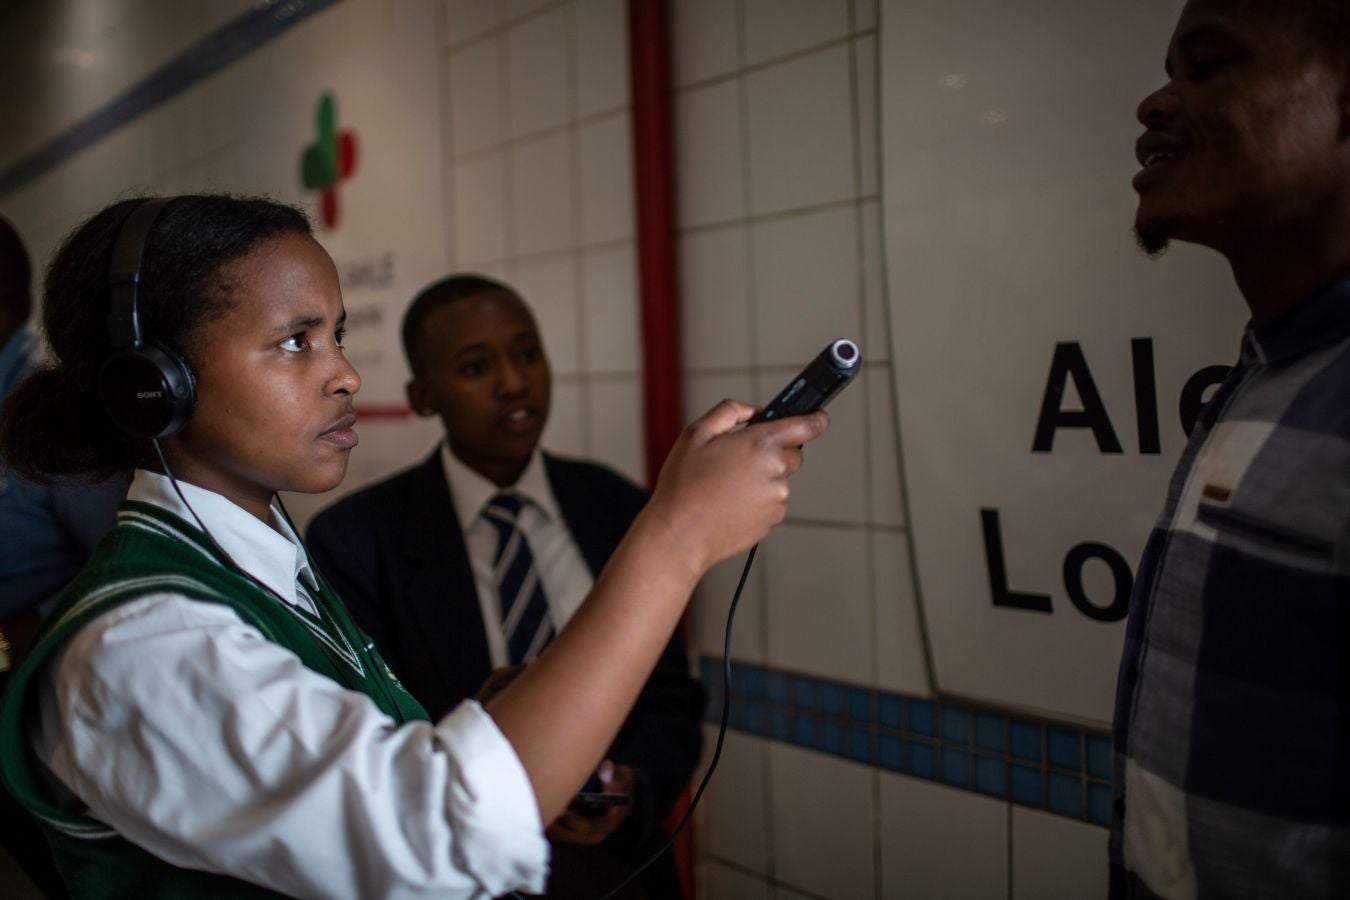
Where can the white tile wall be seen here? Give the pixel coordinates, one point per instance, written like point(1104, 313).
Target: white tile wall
point(801, 132)
point(807, 284)
point(899, 644)
point(479, 216)
point(549, 287)
point(475, 97)
point(715, 327)
point(823, 823)
point(869, 115)
point(606, 196)
point(732, 818)
point(818, 601)
point(467, 19)
point(602, 56)
point(721, 882)
point(616, 436)
point(539, 74)
point(704, 37)
point(541, 195)
point(883, 447)
point(864, 14)
point(774, 28)
point(875, 339)
point(1055, 858)
point(939, 843)
point(709, 175)
point(517, 8)
point(566, 432)
point(611, 315)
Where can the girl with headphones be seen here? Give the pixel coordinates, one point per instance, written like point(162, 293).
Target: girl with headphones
point(199, 716)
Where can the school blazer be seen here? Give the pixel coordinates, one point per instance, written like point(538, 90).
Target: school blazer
point(395, 554)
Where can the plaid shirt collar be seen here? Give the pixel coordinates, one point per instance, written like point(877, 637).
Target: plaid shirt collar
point(1320, 319)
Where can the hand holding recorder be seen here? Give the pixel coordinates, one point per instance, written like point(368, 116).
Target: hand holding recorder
point(721, 491)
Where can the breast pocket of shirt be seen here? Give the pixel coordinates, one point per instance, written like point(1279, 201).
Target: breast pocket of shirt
point(1276, 494)
point(1259, 533)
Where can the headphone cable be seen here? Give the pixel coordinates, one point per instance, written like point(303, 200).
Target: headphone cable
point(717, 749)
point(229, 560)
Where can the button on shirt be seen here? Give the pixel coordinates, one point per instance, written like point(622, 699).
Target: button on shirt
point(213, 748)
point(562, 569)
point(1233, 705)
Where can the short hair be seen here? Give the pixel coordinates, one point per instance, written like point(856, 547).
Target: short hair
point(435, 296)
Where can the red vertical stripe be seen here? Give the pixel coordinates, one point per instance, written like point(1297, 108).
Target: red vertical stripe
point(658, 286)
point(654, 187)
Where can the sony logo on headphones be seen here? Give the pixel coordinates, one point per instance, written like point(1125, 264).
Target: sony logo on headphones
point(148, 395)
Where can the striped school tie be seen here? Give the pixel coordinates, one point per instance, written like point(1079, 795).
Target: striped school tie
point(525, 620)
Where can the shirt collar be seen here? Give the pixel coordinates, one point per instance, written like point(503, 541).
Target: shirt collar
point(1318, 319)
point(470, 491)
point(273, 553)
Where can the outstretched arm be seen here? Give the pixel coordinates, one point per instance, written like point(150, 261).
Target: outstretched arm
point(721, 491)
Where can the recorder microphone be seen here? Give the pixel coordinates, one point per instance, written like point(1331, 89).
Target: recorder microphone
point(816, 385)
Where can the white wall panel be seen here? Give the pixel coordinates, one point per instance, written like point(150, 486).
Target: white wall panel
point(938, 843)
point(1008, 133)
point(801, 132)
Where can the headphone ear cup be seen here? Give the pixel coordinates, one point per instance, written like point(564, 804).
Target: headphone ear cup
point(148, 393)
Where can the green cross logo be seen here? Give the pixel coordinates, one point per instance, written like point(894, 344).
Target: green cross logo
point(329, 160)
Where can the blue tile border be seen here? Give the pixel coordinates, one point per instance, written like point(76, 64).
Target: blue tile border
point(1053, 766)
point(224, 46)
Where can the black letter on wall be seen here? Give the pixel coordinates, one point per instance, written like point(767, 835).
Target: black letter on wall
point(1145, 395)
point(1120, 573)
point(1069, 361)
point(1192, 395)
point(998, 573)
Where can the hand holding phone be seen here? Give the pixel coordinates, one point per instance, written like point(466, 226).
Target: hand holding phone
point(816, 385)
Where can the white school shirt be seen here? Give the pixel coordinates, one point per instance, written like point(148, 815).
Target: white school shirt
point(562, 569)
point(215, 749)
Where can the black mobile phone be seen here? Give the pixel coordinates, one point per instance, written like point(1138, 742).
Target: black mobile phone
point(816, 385)
point(592, 799)
point(593, 803)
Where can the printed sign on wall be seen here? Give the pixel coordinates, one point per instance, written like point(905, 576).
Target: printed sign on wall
point(1046, 370)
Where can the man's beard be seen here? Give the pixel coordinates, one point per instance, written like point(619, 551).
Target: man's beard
point(1153, 237)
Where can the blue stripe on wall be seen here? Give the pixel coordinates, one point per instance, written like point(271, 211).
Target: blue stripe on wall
point(1058, 768)
point(217, 50)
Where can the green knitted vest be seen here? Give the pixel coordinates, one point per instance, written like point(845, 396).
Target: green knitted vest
point(152, 551)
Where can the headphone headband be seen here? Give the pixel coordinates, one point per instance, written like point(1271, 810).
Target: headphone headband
point(124, 274)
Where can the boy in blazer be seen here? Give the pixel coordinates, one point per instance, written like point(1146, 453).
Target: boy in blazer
point(463, 566)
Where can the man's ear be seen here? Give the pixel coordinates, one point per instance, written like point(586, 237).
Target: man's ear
point(419, 398)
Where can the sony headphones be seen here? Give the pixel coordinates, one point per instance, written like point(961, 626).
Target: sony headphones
point(147, 390)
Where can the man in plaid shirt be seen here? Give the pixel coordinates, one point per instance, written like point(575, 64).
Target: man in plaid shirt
point(1232, 726)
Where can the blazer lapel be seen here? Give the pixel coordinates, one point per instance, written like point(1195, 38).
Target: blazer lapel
point(591, 525)
point(441, 595)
